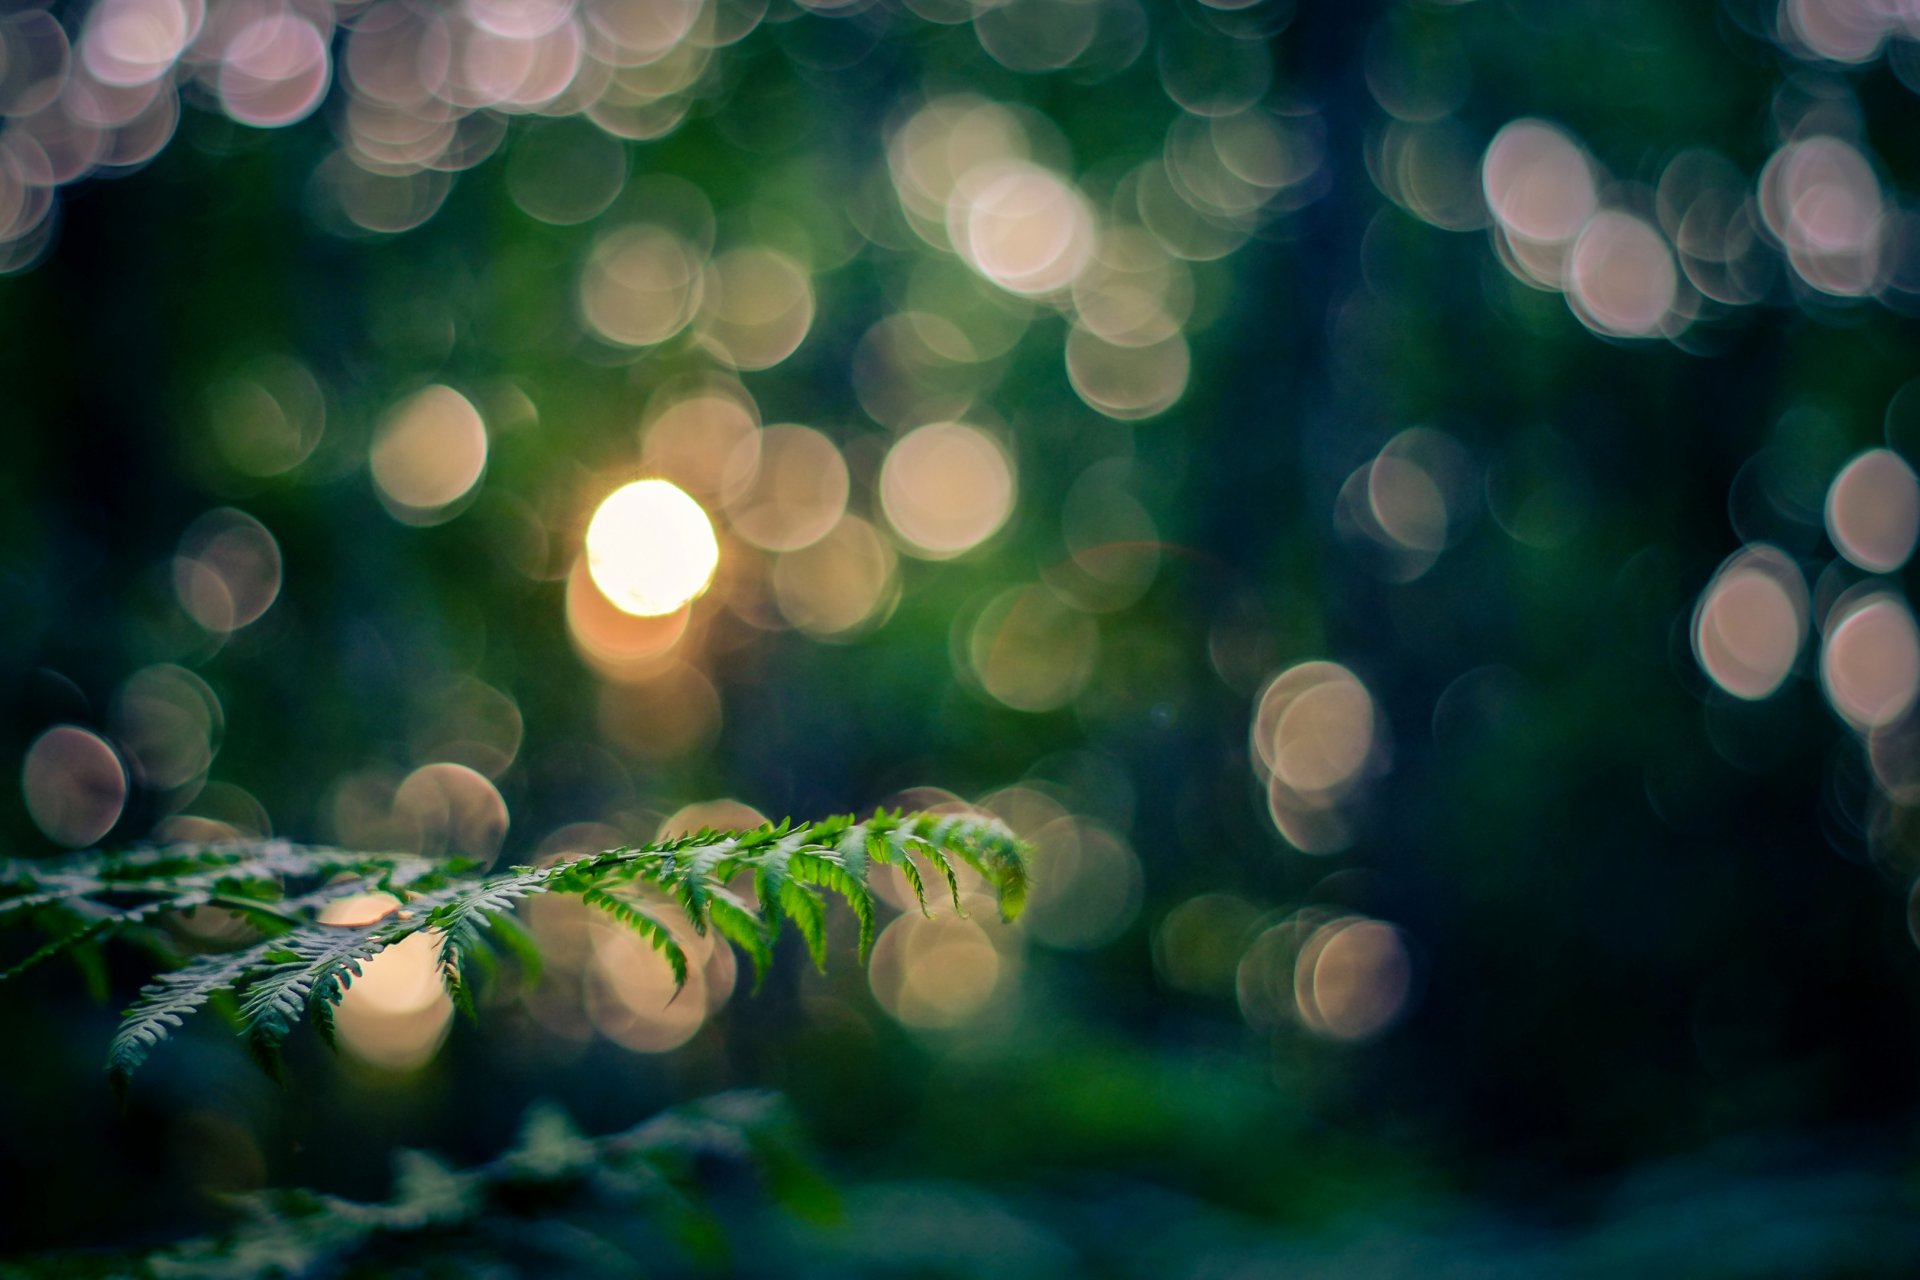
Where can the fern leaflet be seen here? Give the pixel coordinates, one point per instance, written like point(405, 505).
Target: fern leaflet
point(303, 966)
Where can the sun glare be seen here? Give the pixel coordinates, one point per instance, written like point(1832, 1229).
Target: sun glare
point(650, 548)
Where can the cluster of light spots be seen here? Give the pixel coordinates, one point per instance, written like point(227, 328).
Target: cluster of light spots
point(168, 724)
point(1408, 503)
point(798, 492)
point(1021, 226)
point(439, 809)
point(842, 585)
point(983, 180)
point(396, 1014)
point(1029, 649)
point(641, 285)
point(1097, 38)
point(427, 455)
point(1314, 738)
point(651, 548)
point(1822, 202)
point(707, 442)
point(946, 488)
point(1845, 31)
point(1870, 660)
point(1092, 887)
point(1873, 511)
point(946, 971)
point(1342, 977)
point(468, 722)
point(108, 99)
point(756, 307)
point(1750, 622)
point(267, 418)
point(1616, 268)
point(74, 785)
point(620, 645)
point(1711, 218)
point(1133, 293)
point(429, 92)
point(227, 570)
point(919, 366)
point(630, 991)
point(1127, 382)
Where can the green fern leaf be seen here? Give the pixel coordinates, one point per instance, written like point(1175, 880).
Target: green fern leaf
point(306, 967)
point(803, 906)
point(655, 933)
point(826, 869)
point(738, 924)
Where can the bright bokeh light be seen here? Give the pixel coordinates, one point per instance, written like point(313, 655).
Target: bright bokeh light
point(798, 493)
point(946, 488)
point(756, 307)
point(641, 285)
point(274, 71)
point(1873, 511)
point(1750, 621)
point(1870, 663)
point(1353, 979)
point(1621, 279)
point(1021, 226)
point(708, 443)
point(74, 785)
point(1314, 727)
point(134, 42)
point(939, 973)
point(428, 454)
point(1822, 200)
point(396, 1013)
point(445, 808)
point(618, 644)
point(1539, 182)
point(1314, 734)
point(651, 548)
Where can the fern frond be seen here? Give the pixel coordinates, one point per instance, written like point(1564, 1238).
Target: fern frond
point(650, 930)
point(307, 970)
point(304, 968)
point(165, 1003)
